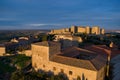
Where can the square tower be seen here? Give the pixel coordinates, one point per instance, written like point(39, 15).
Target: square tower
point(42, 51)
point(87, 30)
point(96, 30)
point(73, 29)
point(102, 31)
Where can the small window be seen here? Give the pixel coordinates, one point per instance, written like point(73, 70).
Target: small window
point(44, 66)
point(54, 68)
point(70, 72)
point(62, 71)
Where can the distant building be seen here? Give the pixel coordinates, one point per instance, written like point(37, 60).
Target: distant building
point(96, 30)
point(79, 29)
point(24, 38)
point(60, 31)
point(14, 40)
point(88, 30)
point(74, 62)
point(26, 52)
point(2, 49)
point(102, 31)
point(73, 29)
point(11, 47)
point(68, 40)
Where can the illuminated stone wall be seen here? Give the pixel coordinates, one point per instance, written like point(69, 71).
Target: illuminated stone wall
point(71, 71)
point(73, 29)
point(68, 40)
point(88, 31)
point(96, 30)
point(2, 51)
point(101, 74)
point(26, 52)
point(40, 61)
point(102, 31)
point(81, 30)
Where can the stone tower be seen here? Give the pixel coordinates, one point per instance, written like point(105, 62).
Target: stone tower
point(73, 29)
point(102, 31)
point(42, 51)
point(96, 30)
point(87, 29)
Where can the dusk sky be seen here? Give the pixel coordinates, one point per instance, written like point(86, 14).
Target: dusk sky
point(50, 14)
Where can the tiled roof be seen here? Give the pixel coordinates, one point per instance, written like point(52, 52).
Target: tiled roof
point(68, 57)
point(73, 62)
point(98, 62)
point(97, 50)
point(74, 51)
point(103, 50)
point(46, 43)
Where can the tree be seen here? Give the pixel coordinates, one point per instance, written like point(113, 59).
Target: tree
point(44, 38)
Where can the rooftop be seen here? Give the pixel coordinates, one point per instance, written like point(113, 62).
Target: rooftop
point(78, 53)
point(46, 43)
point(103, 50)
point(87, 59)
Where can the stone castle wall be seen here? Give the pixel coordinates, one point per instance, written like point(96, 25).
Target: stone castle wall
point(101, 74)
point(96, 30)
point(40, 61)
point(71, 72)
point(79, 29)
point(68, 40)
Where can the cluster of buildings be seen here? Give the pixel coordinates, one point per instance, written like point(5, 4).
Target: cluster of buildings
point(73, 61)
point(22, 45)
point(68, 40)
point(63, 56)
point(79, 29)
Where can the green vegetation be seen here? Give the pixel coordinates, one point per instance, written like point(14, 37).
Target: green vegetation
point(16, 68)
point(7, 35)
point(99, 39)
point(33, 75)
point(46, 37)
point(10, 64)
point(5, 67)
point(21, 61)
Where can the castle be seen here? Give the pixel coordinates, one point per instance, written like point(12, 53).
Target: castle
point(79, 29)
point(74, 62)
point(68, 40)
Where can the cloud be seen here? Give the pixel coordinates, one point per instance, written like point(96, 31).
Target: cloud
point(6, 19)
point(37, 25)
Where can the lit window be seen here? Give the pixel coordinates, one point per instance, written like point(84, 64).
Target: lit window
point(70, 72)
